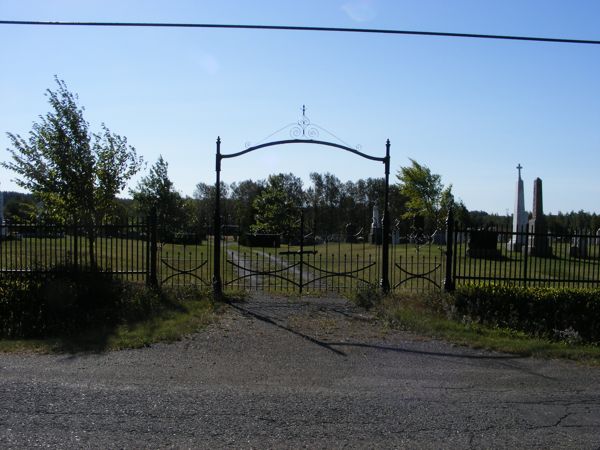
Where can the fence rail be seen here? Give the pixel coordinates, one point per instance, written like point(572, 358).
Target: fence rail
point(120, 249)
point(525, 257)
point(135, 251)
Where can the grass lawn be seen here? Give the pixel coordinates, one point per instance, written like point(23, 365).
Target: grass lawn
point(411, 267)
point(359, 262)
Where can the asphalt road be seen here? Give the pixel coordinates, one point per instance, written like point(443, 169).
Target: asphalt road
point(285, 373)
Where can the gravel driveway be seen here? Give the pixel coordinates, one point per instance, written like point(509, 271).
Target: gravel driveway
point(295, 373)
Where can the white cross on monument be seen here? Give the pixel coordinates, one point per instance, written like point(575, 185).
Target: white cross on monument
point(519, 217)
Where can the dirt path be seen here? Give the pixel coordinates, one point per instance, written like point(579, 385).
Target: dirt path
point(246, 268)
point(297, 373)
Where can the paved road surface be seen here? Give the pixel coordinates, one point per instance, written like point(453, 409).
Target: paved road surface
point(284, 373)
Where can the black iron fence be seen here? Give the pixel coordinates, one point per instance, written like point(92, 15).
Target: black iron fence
point(138, 251)
point(329, 265)
point(525, 257)
point(122, 249)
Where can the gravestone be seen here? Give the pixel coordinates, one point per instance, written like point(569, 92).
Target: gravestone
point(351, 237)
point(538, 240)
point(519, 217)
point(483, 244)
point(262, 240)
point(579, 247)
point(376, 234)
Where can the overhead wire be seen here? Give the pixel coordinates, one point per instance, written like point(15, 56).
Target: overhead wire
point(303, 28)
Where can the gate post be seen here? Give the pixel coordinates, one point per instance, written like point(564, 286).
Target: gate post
point(301, 249)
point(385, 280)
point(152, 278)
point(216, 282)
point(76, 244)
point(448, 281)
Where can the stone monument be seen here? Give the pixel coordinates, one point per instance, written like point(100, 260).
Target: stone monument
point(483, 243)
point(396, 238)
point(519, 217)
point(351, 234)
point(538, 244)
point(376, 234)
point(579, 247)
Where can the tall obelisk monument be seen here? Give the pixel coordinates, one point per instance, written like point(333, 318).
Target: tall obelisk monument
point(519, 217)
point(539, 244)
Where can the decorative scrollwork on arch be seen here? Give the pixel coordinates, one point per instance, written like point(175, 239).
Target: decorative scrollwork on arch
point(304, 129)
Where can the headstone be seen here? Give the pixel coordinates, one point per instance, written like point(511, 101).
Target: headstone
point(483, 244)
point(519, 217)
point(262, 240)
point(396, 238)
point(351, 237)
point(538, 239)
point(395, 235)
point(579, 247)
point(376, 234)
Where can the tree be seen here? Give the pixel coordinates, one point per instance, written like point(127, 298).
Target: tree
point(325, 197)
point(156, 191)
point(428, 201)
point(242, 200)
point(278, 205)
point(76, 174)
point(206, 195)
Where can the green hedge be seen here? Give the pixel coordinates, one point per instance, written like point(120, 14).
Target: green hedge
point(63, 303)
point(550, 312)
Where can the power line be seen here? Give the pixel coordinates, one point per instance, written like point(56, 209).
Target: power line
point(301, 28)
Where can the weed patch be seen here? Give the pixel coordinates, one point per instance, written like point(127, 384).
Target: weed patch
point(435, 315)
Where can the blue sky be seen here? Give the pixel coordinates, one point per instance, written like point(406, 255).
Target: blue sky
point(471, 110)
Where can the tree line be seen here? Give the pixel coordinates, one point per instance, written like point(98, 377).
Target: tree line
point(74, 174)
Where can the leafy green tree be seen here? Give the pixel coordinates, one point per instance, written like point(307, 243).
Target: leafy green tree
point(428, 200)
point(325, 196)
point(242, 200)
point(75, 173)
point(205, 195)
point(278, 205)
point(20, 210)
point(156, 191)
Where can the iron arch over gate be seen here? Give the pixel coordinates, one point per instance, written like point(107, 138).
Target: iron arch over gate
point(302, 133)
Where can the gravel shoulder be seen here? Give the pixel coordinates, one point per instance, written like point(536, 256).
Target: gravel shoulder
point(278, 372)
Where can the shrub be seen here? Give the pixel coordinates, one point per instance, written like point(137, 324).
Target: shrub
point(367, 296)
point(64, 302)
point(549, 312)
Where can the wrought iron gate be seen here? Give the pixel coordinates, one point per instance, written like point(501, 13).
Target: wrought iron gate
point(302, 132)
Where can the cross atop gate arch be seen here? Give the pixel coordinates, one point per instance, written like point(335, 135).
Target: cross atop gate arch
point(301, 132)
